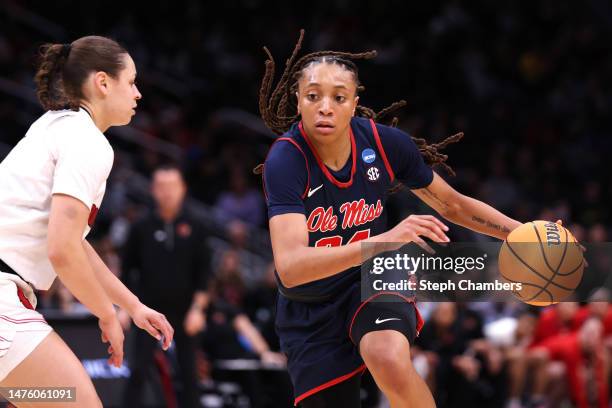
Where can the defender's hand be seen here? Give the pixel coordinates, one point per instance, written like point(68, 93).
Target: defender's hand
point(113, 333)
point(154, 323)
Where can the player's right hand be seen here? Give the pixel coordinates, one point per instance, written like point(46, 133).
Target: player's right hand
point(413, 227)
point(113, 333)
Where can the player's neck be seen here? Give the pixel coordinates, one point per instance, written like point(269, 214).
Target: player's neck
point(96, 115)
point(334, 154)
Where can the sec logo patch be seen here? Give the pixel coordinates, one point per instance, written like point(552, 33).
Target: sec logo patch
point(373, 173)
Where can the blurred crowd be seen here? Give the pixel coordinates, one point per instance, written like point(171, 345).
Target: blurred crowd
point(530, 84)
point(505, 354)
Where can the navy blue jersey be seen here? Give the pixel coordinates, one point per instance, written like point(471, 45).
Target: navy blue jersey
point(342, 206)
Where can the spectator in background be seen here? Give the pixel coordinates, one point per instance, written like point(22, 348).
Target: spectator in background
point(598, 234)
point(467, 370)
point(598, 306)
point(230, 334)
point(241, 201)
point(251, 267)
point(555, 320)
point(517, 362)
point(166, 261)
point(228, 283)
point(260, 306)
point(585, 361)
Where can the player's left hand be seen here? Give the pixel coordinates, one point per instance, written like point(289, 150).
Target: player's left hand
point(154, 323)
point(586, 264)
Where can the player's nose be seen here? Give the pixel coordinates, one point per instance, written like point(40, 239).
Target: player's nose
point(325, 106)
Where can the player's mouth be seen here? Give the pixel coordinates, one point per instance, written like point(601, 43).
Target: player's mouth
point(324, 127)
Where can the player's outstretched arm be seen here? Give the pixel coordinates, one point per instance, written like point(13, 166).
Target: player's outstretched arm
point(465, 211)
point(297, 263)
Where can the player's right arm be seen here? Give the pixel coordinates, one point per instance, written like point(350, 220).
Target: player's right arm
point(67, 221)
point(285, 180)
point(297, 263)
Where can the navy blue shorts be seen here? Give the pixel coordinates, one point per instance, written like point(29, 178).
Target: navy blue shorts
point(321, 339)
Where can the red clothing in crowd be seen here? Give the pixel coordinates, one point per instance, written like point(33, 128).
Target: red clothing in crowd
point(586, 376)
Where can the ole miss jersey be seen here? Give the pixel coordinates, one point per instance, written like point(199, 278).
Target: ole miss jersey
point(342, 206)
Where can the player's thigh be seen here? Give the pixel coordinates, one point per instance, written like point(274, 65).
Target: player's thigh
point(53, 364)
point(388, 313)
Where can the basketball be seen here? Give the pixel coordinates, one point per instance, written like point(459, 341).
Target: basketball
point(545, 258)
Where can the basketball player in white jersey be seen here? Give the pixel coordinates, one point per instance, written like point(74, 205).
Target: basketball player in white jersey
point(51, 186)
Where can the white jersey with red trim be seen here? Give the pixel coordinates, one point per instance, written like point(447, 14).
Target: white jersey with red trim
point(63, 152)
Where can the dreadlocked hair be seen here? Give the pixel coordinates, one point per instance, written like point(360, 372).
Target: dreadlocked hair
point(278, 107)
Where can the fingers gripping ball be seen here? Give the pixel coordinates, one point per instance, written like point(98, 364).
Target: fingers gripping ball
point(545, 258)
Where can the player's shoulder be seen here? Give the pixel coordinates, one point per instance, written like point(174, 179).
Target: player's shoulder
point(285, 152)
point(65, 119)
point(77, 126)
point(286, 165)
point(390, 132)
point(384, 131)
point(391, 137)
point(361, 125)
point(75, 131)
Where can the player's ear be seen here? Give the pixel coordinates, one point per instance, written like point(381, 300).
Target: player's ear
point(297, 96)
point(101, 82)
point(356, 103)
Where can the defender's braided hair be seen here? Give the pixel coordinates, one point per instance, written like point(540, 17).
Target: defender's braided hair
point(278, 107)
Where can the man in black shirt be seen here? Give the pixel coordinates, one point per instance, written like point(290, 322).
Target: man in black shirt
point(166, 263)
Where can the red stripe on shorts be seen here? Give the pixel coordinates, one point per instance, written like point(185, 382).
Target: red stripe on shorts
point(328, 384)
point(24, 300)
point(21, 321)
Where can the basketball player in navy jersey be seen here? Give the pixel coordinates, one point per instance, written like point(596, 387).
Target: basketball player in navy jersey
point(326, 180)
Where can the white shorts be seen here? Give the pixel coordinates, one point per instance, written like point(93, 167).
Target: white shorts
point(21, 328)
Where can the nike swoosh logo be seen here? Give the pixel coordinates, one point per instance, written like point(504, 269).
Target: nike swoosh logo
point(313, 190)
point(378, 321)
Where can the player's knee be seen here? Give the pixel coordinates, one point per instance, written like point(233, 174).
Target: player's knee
point(387, 353)
point(86, 395)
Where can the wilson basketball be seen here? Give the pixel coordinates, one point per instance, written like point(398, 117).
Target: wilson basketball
point(545, 258)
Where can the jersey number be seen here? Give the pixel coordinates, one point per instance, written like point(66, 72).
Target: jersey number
point(336, 240)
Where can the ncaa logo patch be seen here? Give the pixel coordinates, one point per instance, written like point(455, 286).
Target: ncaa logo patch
point(373, 173)
point(368, 155)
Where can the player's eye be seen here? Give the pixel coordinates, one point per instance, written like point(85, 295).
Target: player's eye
point(312, 96)
point(340, 98)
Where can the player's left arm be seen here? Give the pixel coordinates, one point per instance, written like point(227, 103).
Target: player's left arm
point(144, 317)
point(465, 211)
point(410, 169)
point(114, 288)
